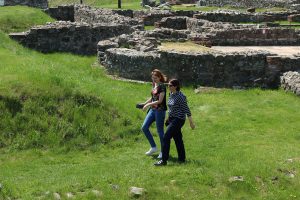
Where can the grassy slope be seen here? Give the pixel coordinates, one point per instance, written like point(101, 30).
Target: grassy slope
point(56, 98)
point(21, 18)
point(249, 133)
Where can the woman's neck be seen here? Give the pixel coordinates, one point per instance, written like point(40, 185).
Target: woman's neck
point(156, 84)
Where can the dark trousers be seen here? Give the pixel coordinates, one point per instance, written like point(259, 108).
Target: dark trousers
point(174, 131)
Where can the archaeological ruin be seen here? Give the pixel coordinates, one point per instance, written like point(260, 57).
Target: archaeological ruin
point(32, 3)
point(127, 50)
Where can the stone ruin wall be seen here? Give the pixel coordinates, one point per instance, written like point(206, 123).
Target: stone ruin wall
point(149, 18)
point(228, 34)
point(248, 3)
point(32, 3)
point(62, 13)
point(243, 17)
point(155, 16)
point(256, 37)
point(107, 16)
point(290, 81)
point(81, 36)
point(252, 69)
point(75, 37)
point(67, 12)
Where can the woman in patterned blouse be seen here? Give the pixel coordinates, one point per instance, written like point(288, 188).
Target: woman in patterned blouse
point(157, 111)
point(178, 110)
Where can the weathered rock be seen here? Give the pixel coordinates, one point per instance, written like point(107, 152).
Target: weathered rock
point(56, 196)
point(69, 195)
point(115, 187)
point(236, 178)
point(136, 192)
point(97, 193)
point(290, 81)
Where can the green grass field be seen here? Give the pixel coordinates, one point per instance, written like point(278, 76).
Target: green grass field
point(65, 127)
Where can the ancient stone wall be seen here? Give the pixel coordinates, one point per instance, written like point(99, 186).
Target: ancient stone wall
point(32, 3)
point(230, 34)
point(81, 13)
point(93, 15)
point(255, 37)
point(62, 13)
point(177, 23)
point(247, 3)
point(79, 38)
point(277, 65)
point(290, 81)
point(239, 17)
point(252, 69)
point(150, 17)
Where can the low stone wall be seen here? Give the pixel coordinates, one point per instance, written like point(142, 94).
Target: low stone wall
point(178, 23)
point(277, 65)
point(247, 3)
point(93, 15)
point(144, 41)
point(82, 13)
point(32, 3)
point(295, 7)
point(290, 81)
point(230, 34)
point(149, 18)
point(294, 18)
point(252, 69)
point(62, 13)
point(242, 17)
point(132, 64)
point(79, 38)
point(255, 37)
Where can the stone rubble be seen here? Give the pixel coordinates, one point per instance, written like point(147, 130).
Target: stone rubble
point(290, 81)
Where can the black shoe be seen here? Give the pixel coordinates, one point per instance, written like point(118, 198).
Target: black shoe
point(160, 163)
point(181, 161)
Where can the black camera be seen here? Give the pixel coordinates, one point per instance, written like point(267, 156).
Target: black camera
point(140, 105)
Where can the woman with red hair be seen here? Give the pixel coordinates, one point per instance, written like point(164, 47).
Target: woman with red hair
point(157, 111)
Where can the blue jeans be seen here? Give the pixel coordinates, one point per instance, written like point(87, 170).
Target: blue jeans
point(159, 117)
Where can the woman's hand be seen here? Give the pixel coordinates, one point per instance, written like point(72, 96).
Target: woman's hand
point(145, 106)
point(192, 125)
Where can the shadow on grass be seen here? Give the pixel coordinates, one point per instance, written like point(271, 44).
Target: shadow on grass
point(174, 160)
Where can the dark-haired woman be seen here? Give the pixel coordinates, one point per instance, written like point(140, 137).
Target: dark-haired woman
point(157, 111)
point(178, 110)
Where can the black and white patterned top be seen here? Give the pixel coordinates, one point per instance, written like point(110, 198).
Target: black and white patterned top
point(178, 106)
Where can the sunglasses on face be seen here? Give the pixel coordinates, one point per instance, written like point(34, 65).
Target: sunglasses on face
point(171, 85)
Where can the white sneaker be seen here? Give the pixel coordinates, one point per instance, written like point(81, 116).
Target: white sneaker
point(151, 151)
point(160, 155)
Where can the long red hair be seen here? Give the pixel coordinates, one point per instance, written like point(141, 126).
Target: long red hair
point(160, 75)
